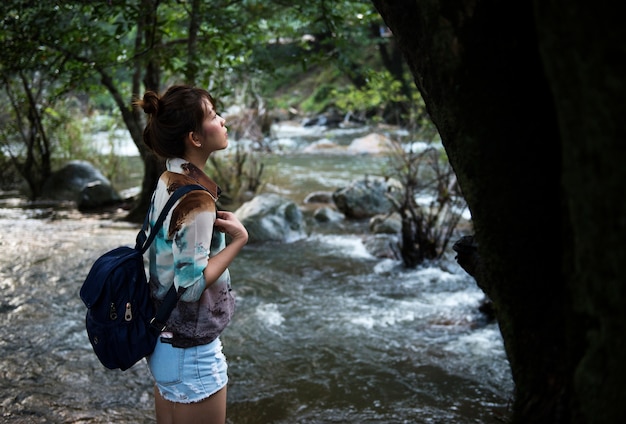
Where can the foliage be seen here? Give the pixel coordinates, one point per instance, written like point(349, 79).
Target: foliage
point(23, 137)
point(73, 138)
point(239, 175)
point(33, 81)
point(243, 51)
point(320, 100)
point(103, 153)
point(372, 101)
point(431, 204)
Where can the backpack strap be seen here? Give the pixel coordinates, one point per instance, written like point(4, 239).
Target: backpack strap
point(142, 243)
point(159, 321)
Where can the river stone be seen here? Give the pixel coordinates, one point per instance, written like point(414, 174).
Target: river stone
point(372, 144)
point(327, 214)
point(382, 246)
point(323, 146)
point(270, 217)
point(386, 224)
point(319, 197)
point(97, 194)
point(367, 197)
point(80, 182)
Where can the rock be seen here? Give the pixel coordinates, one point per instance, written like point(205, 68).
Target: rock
point(80, 182)
point(270, 217)
point(372, 144)
point(367, 197)
point(331, 119)
point(386, 224)
point(323, 146)
point(97, 194)
point(326, 214)
point(319, 197)
point(382, 246)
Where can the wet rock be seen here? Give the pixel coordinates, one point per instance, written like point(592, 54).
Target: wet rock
point(382, 246)
point(372, 144)
point(367, 197)
point(331, 119)
point(319, 197)
point(386, 224)
point(270, 217)
point(80, 182)
point(323, 146)
point(327, 214)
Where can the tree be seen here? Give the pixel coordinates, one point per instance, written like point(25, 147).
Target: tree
point(426, 228)
point(528, 98)
point(33, 85)
point(125, 47)
point(351, 37)
point(24, 136)
point(74, 45)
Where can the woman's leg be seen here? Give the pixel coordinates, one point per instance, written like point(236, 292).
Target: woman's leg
point(211, 410)
point(163, 408)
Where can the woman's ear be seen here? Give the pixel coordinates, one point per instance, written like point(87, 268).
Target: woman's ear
point(193, 139)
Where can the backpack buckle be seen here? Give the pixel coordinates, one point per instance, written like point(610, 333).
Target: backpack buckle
point(158, 326)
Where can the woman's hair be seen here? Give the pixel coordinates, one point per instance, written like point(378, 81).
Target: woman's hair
point(180, 110)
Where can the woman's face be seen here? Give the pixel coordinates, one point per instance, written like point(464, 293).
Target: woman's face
point(214, 132)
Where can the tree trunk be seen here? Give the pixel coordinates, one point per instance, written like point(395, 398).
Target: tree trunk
point(146, 70)
point(540, 171)
point(584, 52)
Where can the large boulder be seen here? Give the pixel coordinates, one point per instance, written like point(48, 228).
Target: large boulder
point(80, 182)
point(270, 217)
point(367, 197)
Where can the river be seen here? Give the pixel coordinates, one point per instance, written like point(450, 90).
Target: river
point(323, 332)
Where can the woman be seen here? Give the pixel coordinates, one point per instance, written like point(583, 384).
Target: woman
point(187, 364)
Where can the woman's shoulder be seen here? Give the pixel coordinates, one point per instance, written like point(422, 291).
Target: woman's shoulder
point(194, 208)
point(193, 202)
point(198, 200)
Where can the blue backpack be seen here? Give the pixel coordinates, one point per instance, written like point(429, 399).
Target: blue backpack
point(122, 323)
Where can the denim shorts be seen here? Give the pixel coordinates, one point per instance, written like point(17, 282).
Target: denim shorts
point(190, 374)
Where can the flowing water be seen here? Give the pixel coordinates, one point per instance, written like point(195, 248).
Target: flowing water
point(324, 332)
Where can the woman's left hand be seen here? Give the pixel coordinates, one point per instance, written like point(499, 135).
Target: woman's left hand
point(228, 223)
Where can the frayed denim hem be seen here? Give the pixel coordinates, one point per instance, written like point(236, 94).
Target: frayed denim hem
point(166, 396)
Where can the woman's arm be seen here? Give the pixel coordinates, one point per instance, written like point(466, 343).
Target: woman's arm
point(228, 223)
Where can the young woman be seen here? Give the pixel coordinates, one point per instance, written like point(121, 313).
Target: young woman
point(187, 364)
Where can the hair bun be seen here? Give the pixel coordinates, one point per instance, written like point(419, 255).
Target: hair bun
point(150, 103)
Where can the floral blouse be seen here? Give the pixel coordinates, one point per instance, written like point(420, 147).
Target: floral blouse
point(180, 253)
